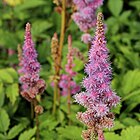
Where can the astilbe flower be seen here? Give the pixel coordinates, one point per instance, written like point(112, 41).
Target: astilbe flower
point(30, 68)
point(66, 80)
point(98, 98)
point(85, 17)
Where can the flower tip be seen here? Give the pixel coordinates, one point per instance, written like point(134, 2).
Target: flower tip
point(28, 27)
point(55, 35)
point(69, 39)
point(100, 16)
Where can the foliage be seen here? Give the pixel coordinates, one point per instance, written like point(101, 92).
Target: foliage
point(123, 36)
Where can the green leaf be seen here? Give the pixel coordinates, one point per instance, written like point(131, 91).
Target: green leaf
point(28, 134)
point(130, 96)
point(79, 65)
point(2, 95)
point(48, 135)
point(112, 24)
point(40, 26)
point(130, 81)
point(4, 120)
point(13, 73)
point(2, 137)
point(12, 92)
point(116, 109)
point(124, 16)
point(6, 38)
point(14, 131)
point(137, 115)
point(131, 133)
point(135, 4)
point(117, 125)
point(130, 55)
point(50, 124)
point(61, 116)
point(70, 132)
point(28, 4)
point(111, 136)
point(115, 6)
point(5, 76)
point(129, 122)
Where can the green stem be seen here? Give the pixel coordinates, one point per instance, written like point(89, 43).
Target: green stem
point(69, 100)
point(37, 121)
point(55, 98)
point(32, 110)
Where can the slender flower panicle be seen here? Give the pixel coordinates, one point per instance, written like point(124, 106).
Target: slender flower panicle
point(66, 80)
point(55, 52)
point(85, 17)
point(30, 81)
point(98, 97)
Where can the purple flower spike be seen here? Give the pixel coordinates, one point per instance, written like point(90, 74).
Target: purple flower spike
point(98, 97)
point(31, 83)
point(85, 17)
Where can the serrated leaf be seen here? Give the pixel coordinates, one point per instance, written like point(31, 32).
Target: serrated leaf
point(131, 81)
point(12, 92)
point(131, 133)
point(111, 136)
point(14, 131)
point(4, 120)
point(5, 76)
point(12, 72)
point(28, 134)
point(70, 132)
point(115, 6)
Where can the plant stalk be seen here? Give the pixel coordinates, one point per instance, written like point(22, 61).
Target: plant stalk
point(55, 97)
point(36, 121)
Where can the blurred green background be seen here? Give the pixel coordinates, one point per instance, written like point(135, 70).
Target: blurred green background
point(122, 18)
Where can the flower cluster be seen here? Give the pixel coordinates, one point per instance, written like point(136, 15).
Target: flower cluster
point(66, 80)
point(31, 83)
point(98, 97)
point(85, 17)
